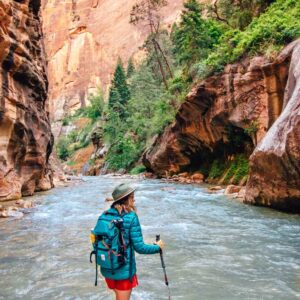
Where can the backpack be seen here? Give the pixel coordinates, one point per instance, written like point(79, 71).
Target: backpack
point(108, 243)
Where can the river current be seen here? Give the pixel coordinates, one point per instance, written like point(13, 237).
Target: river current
point(216, 248)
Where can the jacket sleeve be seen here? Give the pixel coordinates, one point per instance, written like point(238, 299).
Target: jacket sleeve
point(137, 240)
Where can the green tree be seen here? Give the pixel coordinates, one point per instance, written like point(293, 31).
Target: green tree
point(237, 14)
point(119, 85)
point(95, 109)
point(130, 68)
point(147, 13)
point(194, 37)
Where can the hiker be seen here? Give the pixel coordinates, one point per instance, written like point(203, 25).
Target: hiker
point(123, 214)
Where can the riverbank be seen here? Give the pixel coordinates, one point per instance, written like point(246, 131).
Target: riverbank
point(18, 208)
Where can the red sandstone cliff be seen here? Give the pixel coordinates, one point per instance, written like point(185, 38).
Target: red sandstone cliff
point(253, 90)
point(83, 40)
point(275, 164)
point(247, 93)
point(25, 134)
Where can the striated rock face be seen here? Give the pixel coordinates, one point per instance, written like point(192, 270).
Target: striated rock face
point(240, 104)
point(25, 136)
point(275, 164)
point(83, 40)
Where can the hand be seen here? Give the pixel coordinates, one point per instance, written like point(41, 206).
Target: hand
point(161, 244)
point(92, 238)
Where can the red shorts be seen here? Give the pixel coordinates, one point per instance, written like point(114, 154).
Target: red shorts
point(122, 285)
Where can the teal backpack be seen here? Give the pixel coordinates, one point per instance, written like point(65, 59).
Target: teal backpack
point(108, 243)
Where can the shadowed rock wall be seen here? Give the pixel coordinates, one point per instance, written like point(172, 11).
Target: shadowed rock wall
point(25, 135)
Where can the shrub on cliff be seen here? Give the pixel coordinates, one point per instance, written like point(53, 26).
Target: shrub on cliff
point(277, 26)
point(229, 32)
point(95, 109)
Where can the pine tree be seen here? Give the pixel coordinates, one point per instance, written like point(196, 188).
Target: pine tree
point(119, 85)
point(195, 36)
point(130, 67)
point(114, 97)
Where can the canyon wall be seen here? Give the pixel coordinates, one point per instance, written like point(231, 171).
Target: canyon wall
point(257, 100)
point(274, 179)
point(83, 40)
point(246, 97)
point(25, 135)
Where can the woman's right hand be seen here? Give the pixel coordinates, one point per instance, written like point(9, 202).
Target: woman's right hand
point(160, 243)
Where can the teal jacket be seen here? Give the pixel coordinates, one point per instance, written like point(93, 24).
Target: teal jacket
point(134, 241)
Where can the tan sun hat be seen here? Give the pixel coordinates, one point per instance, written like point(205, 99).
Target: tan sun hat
point(121, 191)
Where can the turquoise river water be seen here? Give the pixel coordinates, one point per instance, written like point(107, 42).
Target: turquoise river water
point(216, 248)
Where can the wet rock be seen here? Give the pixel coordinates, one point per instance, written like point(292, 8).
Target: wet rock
point(215, 188)
point(24, 203)
point(149, 175)
point(197, 177)
point(13, 208)
point(20, 202)
point(231, 189)
point(4, 214)
point(184, 175)
point(241, 194)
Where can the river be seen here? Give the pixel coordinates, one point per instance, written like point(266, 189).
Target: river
point(216, 248)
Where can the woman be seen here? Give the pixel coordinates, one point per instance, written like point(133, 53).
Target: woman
point(124, 279)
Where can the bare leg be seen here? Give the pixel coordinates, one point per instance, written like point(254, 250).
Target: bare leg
point(122, 295)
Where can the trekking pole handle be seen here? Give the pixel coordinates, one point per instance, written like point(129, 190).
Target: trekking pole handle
point(157, 237)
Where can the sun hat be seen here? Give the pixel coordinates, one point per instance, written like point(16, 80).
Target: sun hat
point(121, 191)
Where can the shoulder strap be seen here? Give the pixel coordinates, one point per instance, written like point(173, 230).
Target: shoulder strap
point(131, 253)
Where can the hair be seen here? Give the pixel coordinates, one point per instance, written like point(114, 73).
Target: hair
point(124, 203)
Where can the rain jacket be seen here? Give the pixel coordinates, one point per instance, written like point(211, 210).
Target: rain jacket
point(134, 242)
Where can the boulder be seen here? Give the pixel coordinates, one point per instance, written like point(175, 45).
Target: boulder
point(215, 188)
point(242, 193)
point(184, 175)
point(231, 189)
point(197, 177)
point(4, 214)
point(24, 203)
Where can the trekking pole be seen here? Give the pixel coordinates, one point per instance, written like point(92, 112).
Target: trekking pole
point(163, 266)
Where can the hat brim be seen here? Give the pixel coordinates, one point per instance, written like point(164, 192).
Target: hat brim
point(124, 195)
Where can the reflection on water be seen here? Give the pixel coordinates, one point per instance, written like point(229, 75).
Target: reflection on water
point(216, 248)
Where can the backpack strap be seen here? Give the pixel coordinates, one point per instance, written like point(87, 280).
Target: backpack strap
point(130, 254)
point(94, 252)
